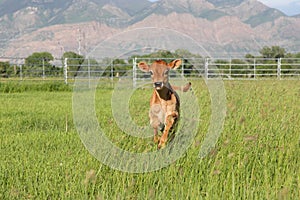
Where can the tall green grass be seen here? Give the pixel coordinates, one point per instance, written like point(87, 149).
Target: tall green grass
point(37, 85)
point(256, 157)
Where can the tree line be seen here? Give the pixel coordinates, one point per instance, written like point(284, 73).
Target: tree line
point(40, 63)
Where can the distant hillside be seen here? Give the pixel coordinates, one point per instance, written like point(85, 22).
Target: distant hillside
point(227, 3)
point(254, 12)
point(72, 11)
point(18, 17)
point(224, 26)
point(8, 7)
point(297, 16)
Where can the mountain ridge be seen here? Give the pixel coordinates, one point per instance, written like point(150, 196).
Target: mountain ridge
point(232, 25)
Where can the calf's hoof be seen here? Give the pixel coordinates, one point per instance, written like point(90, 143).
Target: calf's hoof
point(156, 139)
point(161, 145)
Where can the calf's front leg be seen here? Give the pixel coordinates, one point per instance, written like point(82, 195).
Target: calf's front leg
point(156, 120)
point(169, 122)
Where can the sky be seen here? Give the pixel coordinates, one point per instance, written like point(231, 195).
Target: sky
point(289, 7)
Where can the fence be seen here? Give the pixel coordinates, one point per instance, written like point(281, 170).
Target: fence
point(225, 68)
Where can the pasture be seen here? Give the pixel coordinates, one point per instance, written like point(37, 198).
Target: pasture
point(256, 157)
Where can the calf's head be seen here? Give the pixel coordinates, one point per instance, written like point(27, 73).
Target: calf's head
point(159, 71)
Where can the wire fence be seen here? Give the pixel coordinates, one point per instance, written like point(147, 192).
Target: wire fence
point(225, 68)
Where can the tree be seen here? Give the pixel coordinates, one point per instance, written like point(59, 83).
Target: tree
point(163, 54)
point(93, 67)
point(297, 55)
point(74, 62)
point(39, 63)
point(3, 69)
point(190, 61)
point(272, 52)
point(120, 67)
point(183, 53)
point(249, 56)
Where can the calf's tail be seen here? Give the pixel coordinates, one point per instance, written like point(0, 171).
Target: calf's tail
point(182, 88)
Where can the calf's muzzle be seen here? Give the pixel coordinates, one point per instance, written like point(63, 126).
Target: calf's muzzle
point(158, 85)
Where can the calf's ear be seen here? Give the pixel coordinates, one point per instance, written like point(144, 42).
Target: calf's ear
point(175, 64)
point(143, 66)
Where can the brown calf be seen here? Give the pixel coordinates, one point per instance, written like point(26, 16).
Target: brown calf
point(164, 102)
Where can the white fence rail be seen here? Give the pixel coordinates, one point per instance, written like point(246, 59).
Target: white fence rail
point(225, 68)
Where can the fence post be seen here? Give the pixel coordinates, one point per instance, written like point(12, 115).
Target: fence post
point(66, 70)
point(206, 63)
point(230, 66)
point(89, 72)
point(43, 68)
point(279, 68)
point(182, 68)
point(21, 72)
point(254, 68)
point(112, 70)
point(134, 72)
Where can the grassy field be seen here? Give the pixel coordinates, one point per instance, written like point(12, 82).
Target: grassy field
point(256, 157)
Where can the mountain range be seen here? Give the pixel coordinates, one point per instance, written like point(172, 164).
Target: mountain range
point(223, 28)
